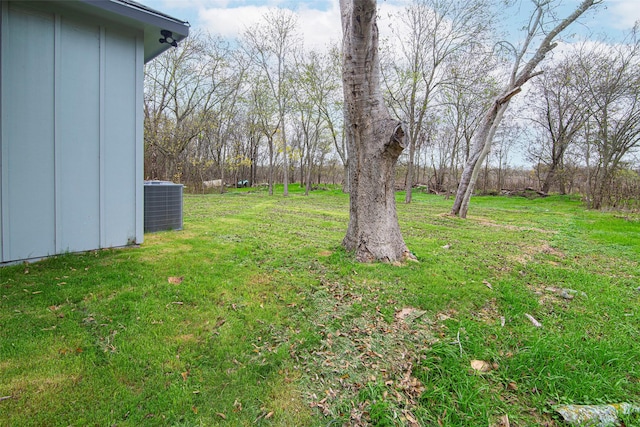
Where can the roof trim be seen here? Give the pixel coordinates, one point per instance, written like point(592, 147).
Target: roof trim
point(142, 13)
point(152, 20)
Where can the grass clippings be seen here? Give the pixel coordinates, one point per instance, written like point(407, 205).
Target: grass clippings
point(365, 359)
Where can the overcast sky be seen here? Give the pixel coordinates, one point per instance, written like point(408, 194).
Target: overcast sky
point(319, 20)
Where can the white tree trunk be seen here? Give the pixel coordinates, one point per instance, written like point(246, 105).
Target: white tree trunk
point(478, 154)
point(520, 75)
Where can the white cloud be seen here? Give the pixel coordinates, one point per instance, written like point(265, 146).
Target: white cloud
point(625, 13)
point(322, 27)
point(230, 22)
point(319, 28)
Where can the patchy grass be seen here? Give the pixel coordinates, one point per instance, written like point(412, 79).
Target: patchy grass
point(254, 315)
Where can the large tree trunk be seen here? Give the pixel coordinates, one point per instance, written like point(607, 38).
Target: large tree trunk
point(559, 146)
point(307, 186)
point(374, 141)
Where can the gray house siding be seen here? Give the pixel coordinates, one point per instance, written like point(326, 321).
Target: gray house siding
point(71, 123)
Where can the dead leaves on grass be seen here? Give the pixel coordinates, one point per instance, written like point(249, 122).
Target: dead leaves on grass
point(365, 349)
point(409, 314)
point(365, 345)
point(264, 415)
point(361, 347)
point(481, 366)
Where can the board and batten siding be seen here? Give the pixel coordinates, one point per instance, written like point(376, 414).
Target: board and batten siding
point(71, 133)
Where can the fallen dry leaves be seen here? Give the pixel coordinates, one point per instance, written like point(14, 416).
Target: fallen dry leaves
point(365, 350)
point(481, 366)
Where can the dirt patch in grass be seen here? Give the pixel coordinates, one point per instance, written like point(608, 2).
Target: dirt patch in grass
point(546, 249)
point(551, 295)
point(363, 368)
point(41, 384)
point(261, 279)
point(527, 253)
point(186, 338)
point(489, 223)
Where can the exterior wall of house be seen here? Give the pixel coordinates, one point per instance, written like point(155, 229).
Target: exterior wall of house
point(71, 124)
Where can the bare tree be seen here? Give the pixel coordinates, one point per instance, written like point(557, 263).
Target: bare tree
point(177, 90)
point(507, 137)
point(191, 94)
point(560, 114)
point(462, 102)
point(310, 127)
point(264, 112)
point(332, 109)
point(252, 131)
point(429, 34)
point(522, 71)
point(315, 85)
point(611, 76)
point(374, 141)
point(272, 44)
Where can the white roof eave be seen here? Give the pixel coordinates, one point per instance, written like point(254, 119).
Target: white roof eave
point(152, 21)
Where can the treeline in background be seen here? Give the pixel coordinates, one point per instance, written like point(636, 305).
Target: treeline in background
point(263, 109)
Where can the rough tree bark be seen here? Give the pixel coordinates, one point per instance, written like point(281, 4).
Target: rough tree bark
point(374, 141)
point(519, 76)
point(479, 151)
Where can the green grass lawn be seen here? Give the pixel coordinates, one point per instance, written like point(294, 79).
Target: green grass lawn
point(255, 315)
